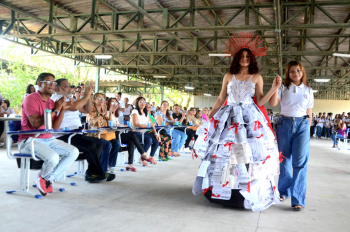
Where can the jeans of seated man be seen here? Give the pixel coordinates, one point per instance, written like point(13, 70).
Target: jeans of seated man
point(178, 139)
point(109, 153)
point(149, 141)
point(91, 148)
point(50, 150)
point(190, 134)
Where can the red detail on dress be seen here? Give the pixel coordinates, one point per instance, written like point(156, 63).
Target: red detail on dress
point(224, 185)
point(206, 134)
point(263, 110)
point(234, 125)
point(244, 40)
point(216, 122)
point(256, 125)
point(205, 191)
point(260, 136)
point(229, 145)
point(281, 157)
point(248, 189)
point(213, 195)
point(274, 188)
point(267, 157)
point(194, 154)
point(214, 156)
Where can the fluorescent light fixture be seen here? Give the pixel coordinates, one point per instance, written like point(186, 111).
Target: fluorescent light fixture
point(341, 55)
point(322, 80)
point(103, 57)
point(315, 90)
point(227, 55)
point(159, 76)
point(207, 94)
point(189, 87)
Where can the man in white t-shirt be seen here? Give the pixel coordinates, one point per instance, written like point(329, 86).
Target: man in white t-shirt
point(90, 146)
point(319, 126)
point(121, 109)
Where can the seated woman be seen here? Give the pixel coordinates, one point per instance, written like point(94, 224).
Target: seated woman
point(165, 143)
point(125, 138)
point(5, 111)
point(191, 117)
point(98, 118)
point(140, 119)
point(205, 115)
point(30, 89)
point(178, 137)
point(340, 132)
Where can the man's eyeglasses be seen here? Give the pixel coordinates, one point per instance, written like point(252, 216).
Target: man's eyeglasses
point(49, 82)
point(100, 98)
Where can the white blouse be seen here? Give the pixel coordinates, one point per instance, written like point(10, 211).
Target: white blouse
point(141, 119)
point(296, 100)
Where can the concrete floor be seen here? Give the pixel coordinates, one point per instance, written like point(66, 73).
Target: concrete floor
point(159, 198)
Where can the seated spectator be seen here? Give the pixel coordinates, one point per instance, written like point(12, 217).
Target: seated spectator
point(199, 116)
point(191, 117)
point(46, 147)
point(340, 132)
point(77, 93)
point(121, 108)
point(205, 115)
point(140, 119)
point(72, 88)
point(90, 146)
point(189, 132)
point(128, 109)
point(178, 137)
point(165, 144)
point(98, 118)
point(5, 108)
point(30, 89)
point(126, 138)
point(153, 108)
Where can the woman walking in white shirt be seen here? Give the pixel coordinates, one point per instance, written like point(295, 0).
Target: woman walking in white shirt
point(293, 133)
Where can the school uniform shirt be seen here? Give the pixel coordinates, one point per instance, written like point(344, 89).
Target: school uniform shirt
point(320, 123)
point(127, 110)
point(327, 123)
point(296, 100)
point(121, 106)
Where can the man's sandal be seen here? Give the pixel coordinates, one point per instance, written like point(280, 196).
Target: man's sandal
point(298, 208)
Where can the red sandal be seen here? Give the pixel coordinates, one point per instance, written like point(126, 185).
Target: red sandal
point(133, 169)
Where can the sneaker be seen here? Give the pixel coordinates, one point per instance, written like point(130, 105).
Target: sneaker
point(49, 187)
point(113, 169)
point(187, 150)
point(41, 185)
point(109, 176)
point(94, 178)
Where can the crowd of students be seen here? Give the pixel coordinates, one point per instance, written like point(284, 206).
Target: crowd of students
point(78, 107)
point(323, 125)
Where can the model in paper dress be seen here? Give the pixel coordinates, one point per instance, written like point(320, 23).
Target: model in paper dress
point(239, 156)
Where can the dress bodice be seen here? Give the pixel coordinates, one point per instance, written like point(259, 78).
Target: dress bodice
point(240, 91)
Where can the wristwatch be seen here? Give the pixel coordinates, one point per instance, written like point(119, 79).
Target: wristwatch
point(54, 110)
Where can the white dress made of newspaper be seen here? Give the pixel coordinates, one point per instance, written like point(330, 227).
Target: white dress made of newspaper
point(240, 147)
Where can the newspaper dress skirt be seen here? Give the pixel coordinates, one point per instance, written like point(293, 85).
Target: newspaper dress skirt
point(239, 158)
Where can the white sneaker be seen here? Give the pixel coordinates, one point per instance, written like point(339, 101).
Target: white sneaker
point(113, 169)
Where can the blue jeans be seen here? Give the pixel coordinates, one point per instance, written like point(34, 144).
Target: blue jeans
point(319, 131)
point(109, 153)
point(293, 138)
point(178, 139)
point(327, 132)
point(149, 141)
point(50, 151)
point(334, 138)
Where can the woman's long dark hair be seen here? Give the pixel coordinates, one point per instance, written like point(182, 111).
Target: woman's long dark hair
point(167, 114)
point(235, 66)
point(116, 114)
point(28, 88)
point(137, 106)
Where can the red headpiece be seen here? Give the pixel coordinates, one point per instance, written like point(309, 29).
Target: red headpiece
point(245, 40)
